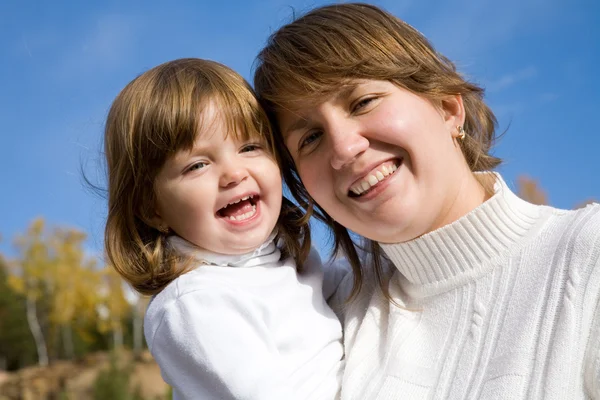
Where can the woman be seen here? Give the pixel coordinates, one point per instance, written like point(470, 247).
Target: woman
point(469, 291)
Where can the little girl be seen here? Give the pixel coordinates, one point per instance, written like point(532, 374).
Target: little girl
point(195, 218)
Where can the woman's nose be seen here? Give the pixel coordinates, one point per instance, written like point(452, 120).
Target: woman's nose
point(347, 144)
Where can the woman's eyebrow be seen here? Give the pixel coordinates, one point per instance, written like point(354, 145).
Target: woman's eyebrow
point(299, 123)
point(346, 91)
point(302, 122)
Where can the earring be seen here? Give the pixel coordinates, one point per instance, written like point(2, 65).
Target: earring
point(163, 229)
point(461, 132)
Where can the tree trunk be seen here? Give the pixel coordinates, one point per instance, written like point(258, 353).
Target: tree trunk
point(36, 331)
point(137, 329)
point(67, 339)
point(118, 336)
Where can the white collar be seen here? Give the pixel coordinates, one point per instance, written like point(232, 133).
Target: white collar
point(266, 254)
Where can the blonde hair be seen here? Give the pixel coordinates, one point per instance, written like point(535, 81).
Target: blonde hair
point(313, 56)
point(152, 118)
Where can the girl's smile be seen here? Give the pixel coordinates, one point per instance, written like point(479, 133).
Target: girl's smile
point(224, 194)
point(242, 212)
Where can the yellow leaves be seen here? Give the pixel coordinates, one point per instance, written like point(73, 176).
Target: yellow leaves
point(113, 303)
point(16, 283)
point(529, 190)
point(53, 268)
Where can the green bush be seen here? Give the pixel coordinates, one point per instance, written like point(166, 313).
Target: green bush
point(113, 383)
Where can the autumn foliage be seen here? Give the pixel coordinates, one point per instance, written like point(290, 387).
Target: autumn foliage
point(57, 302)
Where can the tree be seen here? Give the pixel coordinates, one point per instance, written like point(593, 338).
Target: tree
point(114, 306)
point(16, 344)
point(32, 268)
point(75, 284)
point(585, 203)
point(529, 190)
point(139, 304)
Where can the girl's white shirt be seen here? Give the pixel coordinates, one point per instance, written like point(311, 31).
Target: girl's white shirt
point(247, 327)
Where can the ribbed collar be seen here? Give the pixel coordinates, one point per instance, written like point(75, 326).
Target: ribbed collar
point(266, 255)
point(452, 255)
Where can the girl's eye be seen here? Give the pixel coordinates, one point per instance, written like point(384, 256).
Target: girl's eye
point(196, 166)
point(250, 147)
point(309, 139)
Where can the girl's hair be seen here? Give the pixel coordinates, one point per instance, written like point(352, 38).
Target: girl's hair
point(313, 56)
point(155, 116)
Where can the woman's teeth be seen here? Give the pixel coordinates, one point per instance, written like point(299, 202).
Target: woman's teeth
point(373, 179)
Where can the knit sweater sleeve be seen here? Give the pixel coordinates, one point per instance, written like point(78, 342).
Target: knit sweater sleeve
point(592, 363)
point(334, 274)
point(212, 343)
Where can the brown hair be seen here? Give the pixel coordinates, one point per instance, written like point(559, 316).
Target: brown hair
point(155, 116)
point(313, 56)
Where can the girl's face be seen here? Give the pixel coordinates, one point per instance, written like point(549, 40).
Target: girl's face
point(224, 195)
point(382, 161)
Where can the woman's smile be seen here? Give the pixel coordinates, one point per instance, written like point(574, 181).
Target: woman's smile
point(374, 178)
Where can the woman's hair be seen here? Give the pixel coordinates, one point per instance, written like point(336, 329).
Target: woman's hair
point(155, 116)
point(313, 56)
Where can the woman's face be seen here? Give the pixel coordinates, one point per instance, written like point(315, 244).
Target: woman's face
point(382, 161)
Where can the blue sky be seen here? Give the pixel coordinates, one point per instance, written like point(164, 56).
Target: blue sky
point(62, 63)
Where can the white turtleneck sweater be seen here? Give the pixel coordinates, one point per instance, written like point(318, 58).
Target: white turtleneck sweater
point(501, 304)
point(246, 327)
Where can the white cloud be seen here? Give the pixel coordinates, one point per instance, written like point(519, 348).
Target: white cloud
point(107, 44)
point(548, 97)
point(511, 79)
point(464, 28)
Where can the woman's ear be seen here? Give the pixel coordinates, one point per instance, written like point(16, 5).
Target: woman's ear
point(453, 111)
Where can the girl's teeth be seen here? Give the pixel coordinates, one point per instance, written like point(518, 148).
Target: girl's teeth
point(244, 216)
point(238, 200)
point(379, 176)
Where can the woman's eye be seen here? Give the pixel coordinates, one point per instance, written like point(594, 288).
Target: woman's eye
point(196, 166)
point(362, 104)
point(310, 138)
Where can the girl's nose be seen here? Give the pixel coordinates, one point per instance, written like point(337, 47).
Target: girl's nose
point(233, 175)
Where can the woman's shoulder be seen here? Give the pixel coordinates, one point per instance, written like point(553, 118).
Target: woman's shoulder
point(580, 225)
point(574, 235)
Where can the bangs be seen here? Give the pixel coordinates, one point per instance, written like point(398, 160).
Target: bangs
point(178, 103)
point(311, 57)
point(239, 111)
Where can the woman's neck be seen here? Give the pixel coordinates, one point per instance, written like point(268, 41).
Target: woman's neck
point(456, 252)
point(469, 194)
